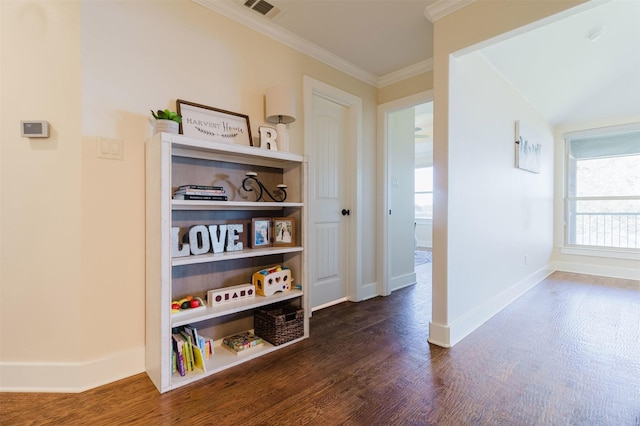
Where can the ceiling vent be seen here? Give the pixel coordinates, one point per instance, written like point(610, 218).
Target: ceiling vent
point(263, 7)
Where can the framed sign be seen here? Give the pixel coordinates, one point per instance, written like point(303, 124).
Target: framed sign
point(528, 151)
point(213, 124)
point(284, 231)
point(260, 232)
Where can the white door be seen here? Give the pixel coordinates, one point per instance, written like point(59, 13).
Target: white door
point(401, 160)
point(395, 182)
point(328, 216)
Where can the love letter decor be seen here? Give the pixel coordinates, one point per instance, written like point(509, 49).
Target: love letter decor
point(268, 137)
point(202, 239)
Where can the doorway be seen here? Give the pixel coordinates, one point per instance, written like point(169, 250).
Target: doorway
point(405, 129)
point(423, 177)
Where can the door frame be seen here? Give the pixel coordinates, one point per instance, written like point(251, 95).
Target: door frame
point(313, 87)
point(384, 249)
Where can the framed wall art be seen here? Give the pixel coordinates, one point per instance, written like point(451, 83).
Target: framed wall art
point(261, 232)
point(213, 124)
point(284, 231)
point(527, 151)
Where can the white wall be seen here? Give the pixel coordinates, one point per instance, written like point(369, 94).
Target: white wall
point(500, 218)
point(453, 33)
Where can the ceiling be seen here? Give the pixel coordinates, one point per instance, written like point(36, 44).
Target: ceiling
point(571, 79)
point(563, 74)
point(378, 36)
point(373, 40)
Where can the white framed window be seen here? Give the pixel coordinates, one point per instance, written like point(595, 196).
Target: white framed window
point(602, 188)
point(424, 193)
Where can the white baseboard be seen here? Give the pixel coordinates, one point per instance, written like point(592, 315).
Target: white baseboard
point(326, 305)
point(603, 271)
point(448, 335)
point(368, 291)
point(439, 335)
point(70, 377)
point(403, 281)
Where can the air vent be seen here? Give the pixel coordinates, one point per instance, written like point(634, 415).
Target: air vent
point(263, 7)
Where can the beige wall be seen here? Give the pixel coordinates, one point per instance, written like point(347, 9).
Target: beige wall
point(41, 291)
point(72, 269)
point(404, 88)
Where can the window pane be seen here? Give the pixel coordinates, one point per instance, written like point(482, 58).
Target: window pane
point(424, 206)
point(604, 164)
point(614, 176)
point(605, 223)
point(424, 179)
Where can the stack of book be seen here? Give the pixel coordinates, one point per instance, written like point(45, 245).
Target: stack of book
point(200, 192)
point(190, 350)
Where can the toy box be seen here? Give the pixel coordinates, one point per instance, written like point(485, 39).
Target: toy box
point(271, 280)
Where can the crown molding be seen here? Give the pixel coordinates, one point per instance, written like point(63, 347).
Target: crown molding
point(442, 8)
point(235, 12)
point(405, 73)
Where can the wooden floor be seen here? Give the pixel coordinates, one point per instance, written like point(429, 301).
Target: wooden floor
point(565, 353)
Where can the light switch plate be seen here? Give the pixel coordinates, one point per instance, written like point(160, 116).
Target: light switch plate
point(110, 149)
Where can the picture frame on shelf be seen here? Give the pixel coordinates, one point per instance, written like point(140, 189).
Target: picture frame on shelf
point(284, 231)
point(213, 124)
point(261, 232)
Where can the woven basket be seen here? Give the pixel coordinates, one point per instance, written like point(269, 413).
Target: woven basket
point(279, 326)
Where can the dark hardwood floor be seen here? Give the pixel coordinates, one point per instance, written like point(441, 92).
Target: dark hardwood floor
point(565, 353)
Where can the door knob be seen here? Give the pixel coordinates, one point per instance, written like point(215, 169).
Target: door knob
point(345, 212)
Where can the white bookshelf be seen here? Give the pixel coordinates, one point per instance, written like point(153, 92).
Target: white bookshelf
point(223, 359)
point(244, 254)
point(230, 205)
point(232, 308)
point(174, 160)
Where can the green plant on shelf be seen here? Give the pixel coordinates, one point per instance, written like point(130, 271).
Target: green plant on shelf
point(166, 115)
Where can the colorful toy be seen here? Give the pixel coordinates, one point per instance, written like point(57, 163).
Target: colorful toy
point(230, 294)
point(272, 280)
point(187, 303)
point(242, 341)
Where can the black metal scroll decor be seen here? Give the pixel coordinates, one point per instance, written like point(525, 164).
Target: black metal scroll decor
point(279, 195)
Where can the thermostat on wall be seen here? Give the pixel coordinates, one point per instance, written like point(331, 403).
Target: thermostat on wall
point(34, 129)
